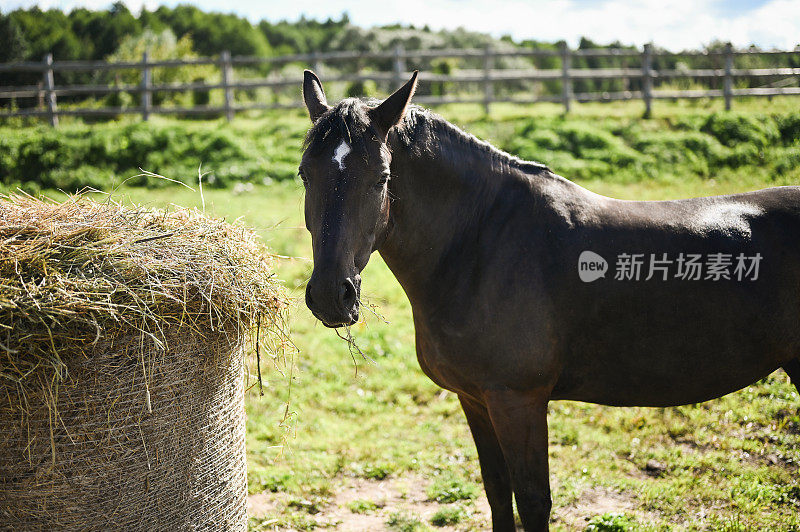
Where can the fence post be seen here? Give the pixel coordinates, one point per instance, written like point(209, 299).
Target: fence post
point(566, 84)
point(147, 95)
point(398, 66)
point(727, 87)
point(647, 79)
point(488, 87)
point(40, 95)
point(227, 78)
point(50, 88)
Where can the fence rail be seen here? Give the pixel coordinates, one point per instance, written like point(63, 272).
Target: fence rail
point(487, 77)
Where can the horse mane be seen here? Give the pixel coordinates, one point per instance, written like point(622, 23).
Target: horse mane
point(422, 129)
point(420, 132)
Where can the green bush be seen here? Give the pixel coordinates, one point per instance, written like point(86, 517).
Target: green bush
point(786, 161)
point(200, 97)
point(694, 151)
point(362, 89)
point(546, 139)
point(732, 129)
point(743, 155)
point(619, 150)
point(75, 158)
point(579, 150)
point(789, 128)
point(687, 146)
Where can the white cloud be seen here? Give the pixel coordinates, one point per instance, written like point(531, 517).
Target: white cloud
point(776, 23)
point(676, 24)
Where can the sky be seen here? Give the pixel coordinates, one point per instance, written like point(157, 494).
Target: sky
point(673, 24)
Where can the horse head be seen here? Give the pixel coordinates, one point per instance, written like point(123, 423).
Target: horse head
point(345, 169)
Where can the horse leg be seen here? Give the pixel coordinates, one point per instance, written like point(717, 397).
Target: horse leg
point(496, 480)
point(520, 422)
point(792, 368)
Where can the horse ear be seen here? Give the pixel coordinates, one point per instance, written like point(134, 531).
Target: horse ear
point(391, 111)
point(314, 95)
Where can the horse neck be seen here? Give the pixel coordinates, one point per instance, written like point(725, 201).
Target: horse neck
point(439, 193)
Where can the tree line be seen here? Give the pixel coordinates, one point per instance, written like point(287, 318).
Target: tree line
point(186, 31)
point(28, 34)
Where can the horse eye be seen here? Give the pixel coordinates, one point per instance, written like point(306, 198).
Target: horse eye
point(302, 177)
point(382, 181)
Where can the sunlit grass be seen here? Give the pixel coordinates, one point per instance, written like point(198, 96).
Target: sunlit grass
point(730, 459)
point(729, 464)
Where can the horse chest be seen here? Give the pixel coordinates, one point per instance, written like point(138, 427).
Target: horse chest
point(468, 358)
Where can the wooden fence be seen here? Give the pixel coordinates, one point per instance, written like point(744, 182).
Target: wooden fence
point(47, 92)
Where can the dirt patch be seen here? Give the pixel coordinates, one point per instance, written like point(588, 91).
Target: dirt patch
point(406, 494)
point(261, 504)
point(593, 502)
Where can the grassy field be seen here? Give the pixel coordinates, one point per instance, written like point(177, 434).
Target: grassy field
point(378, 446)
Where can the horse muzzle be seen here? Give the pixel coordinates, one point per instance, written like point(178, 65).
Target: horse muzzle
point(334, 302)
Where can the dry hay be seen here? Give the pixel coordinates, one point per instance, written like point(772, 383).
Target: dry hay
point(121, 371)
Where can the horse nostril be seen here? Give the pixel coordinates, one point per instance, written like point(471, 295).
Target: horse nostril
point(347, 293)
point(309, 299)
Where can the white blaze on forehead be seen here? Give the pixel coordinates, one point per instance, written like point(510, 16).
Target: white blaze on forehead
point(341, 152)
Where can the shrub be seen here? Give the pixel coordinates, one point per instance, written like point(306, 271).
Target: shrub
point(362, 89)
point(102, 157)
point(200, 97)
point(789, 128)
point(786, 160)
point(579, 150)
point(732, 129)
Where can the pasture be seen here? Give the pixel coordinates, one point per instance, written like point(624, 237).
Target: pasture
point(371, 445)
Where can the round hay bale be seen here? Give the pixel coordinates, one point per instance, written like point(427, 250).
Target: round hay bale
point(121, 366)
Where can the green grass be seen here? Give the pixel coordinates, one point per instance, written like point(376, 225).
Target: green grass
point(733, 458)
point(405, 522)
point(362, 506)
point(449, 515)
point(731, 464)
point(610, 522)
point(449, 488)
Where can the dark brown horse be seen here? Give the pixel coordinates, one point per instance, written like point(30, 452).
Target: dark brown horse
point(526, 287)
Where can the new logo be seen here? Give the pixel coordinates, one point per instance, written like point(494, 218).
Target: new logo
point(591, 266)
